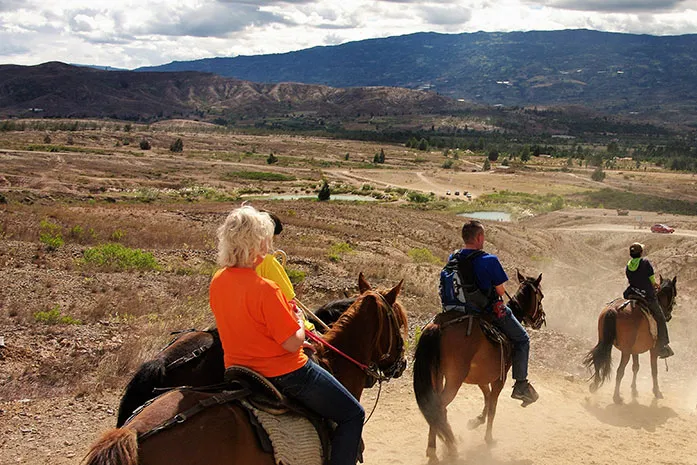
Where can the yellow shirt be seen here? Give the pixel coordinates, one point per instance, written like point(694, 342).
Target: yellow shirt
point(271, 269)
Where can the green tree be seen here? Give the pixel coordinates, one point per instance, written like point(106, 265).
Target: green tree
point(493, 155)
point(271, 159)
point(145, 144)
point(487, 165)
point(177, 146)
point(423, 144)
point(324, 193)
point(598, 174)
point(525, 154)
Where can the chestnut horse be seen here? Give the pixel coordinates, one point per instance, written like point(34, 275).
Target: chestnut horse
point(194, 358)
point(628, 329)
point(371, 331)
point(447, 353)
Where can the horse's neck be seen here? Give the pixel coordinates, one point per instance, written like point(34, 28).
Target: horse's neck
point(664, 296)
point(517, 304)
point(356, 340)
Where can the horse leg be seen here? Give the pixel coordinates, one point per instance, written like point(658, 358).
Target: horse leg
point(654, 374)
point(496, 388)
point(635, 370)
point(480, 419)
point(449, 392)
point(620, 374)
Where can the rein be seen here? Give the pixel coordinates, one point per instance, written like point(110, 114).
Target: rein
point(537, 319)
point(371, 370)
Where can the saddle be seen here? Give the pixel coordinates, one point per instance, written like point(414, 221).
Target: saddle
point(491, 332)
point(633, 299)
point(293, 434)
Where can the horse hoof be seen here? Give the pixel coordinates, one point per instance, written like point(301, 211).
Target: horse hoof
point(635, 393)
point(593, 387)
point(658, 394)
point(618, 400)
point(475, 422)
point(431, 453)
point(490, 441)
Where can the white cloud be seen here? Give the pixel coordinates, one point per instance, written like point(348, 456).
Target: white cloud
point(132, 33)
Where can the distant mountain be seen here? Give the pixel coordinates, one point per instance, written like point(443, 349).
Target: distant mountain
point(60, 90)
point(618, 73)
point(103, 68)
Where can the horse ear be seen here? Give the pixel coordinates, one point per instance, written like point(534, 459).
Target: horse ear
point(391, 296)
point(363, 285)
point(675, 280)
point(537, 281)
point(660, 279)
point(521, 278)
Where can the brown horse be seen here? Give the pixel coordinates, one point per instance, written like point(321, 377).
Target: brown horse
point(628, 329)
point(371, 331)
point(453, 351)
point(194, 358)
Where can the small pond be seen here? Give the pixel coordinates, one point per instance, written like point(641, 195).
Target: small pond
point(492, 216)
point(349, 197)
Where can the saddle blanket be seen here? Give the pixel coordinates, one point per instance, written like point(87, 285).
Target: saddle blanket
point(653, 327)
point(293, 437)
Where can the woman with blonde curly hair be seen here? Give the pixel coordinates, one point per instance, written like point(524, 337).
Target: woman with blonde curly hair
point(259, 329)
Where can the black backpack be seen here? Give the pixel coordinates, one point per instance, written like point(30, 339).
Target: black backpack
point(458, 285)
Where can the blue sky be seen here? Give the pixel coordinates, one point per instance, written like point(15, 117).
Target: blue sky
point(133, 33)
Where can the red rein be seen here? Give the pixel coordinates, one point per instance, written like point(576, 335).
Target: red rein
point(319, 340)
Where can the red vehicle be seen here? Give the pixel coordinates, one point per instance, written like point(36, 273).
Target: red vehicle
point(662, 229)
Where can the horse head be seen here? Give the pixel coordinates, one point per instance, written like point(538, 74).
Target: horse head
point(388, 354)
point(527, 301)
point(666, 294)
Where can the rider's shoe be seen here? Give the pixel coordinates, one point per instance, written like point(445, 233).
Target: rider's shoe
point(665, 352)
point(523, 390)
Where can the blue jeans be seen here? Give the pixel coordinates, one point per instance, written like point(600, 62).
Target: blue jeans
point(521, 343)
point(315, 388)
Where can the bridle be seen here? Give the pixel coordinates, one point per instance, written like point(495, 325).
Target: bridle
point(668, 311)
point(538, 317)
point(373, 371)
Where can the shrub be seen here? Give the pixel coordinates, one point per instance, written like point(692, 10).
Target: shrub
point(487, 165)
point(145, 144)
point(117, 235)
point(177, 146)
point(272, 159)
point(338, 249)
point(76, 232)
point(54, 316)
point(119, 257)
point(47, 139)
point(259, 176)
point(423, 255)
point(51, 235)
point(324, 193)
point(418, 197)
point(423, 144)
point(598, 174)
point(447, 164)
point(493, 155)
point(295, 276)
point(346, 157)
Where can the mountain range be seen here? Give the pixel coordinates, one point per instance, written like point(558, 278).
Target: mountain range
point(59, 90)
point(648, 76)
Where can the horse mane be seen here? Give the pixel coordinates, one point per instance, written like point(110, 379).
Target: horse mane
point(352, 312)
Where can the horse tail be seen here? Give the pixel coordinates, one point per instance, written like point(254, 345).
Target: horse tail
point(116, 446)
point(427, 382)
point(141, 388)
point(599, 359)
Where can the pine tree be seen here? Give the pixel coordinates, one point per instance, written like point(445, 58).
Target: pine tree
point(177, 146)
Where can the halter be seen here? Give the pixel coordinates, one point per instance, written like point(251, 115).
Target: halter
point(373, 370)
point(538, 318)
point(673, 294)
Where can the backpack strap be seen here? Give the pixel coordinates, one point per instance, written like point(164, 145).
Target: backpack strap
point(466, 269)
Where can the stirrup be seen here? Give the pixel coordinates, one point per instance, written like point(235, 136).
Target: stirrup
point(525, 393)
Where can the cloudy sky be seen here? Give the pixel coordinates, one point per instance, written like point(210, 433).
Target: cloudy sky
point(133, 33)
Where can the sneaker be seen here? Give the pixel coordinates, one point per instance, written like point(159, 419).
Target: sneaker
point(665, 352)
point(523, 390)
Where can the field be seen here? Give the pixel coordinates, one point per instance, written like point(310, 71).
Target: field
point(105, 248)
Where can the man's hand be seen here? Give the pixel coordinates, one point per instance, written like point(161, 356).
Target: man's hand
point(499, 309)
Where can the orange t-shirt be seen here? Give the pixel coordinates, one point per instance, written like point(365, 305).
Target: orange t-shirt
point(254, 319)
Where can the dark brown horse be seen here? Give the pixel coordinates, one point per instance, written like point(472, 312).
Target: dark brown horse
point(447, 356)
point(371, 331)
point(628, 329)
point(194, 358)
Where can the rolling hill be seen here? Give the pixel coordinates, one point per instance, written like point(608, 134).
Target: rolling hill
point(647, 76)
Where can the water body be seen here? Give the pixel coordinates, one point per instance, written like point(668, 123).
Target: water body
point(348, 197)
point(492, 216)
